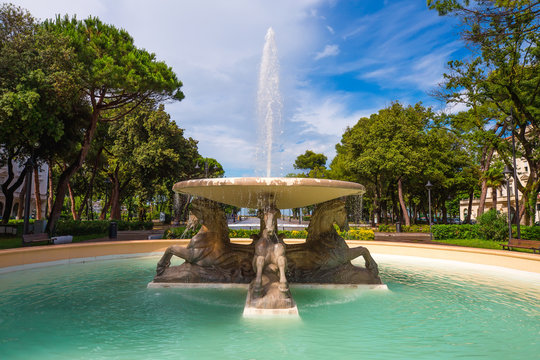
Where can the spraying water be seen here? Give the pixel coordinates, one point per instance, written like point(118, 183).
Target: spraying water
point(269, 104)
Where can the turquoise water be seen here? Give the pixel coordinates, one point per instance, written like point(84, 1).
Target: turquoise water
point(432, 310)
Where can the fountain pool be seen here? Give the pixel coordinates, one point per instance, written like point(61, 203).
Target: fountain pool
point(433, 309)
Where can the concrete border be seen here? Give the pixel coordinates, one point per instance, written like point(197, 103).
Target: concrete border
point(36, 256)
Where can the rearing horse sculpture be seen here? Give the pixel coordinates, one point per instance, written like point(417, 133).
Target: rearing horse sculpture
point(269, 250)
point(323, 238)
point(209, 245)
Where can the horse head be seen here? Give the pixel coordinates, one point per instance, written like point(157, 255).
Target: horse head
point(327, 214)
point(269, 216)
point(209, 214)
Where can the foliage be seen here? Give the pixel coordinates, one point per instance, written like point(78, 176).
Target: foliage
point(528, 232)
point(75, 227)
point(492, 225)
point(500, 79)
point(114, 78)
point(465, 231)
point(358, 234)
point(352, 234)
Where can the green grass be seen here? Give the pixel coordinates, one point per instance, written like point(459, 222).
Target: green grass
point(10, 242)
point(477, 243)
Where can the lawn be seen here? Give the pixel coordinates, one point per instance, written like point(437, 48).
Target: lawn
point(7, 242)
point(477, 243)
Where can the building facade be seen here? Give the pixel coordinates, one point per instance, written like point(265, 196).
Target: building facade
point(523, 172)
point(17, 199)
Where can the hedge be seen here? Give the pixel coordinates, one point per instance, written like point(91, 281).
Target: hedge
point(77, 227)
point(464, 231)
point(353, 234)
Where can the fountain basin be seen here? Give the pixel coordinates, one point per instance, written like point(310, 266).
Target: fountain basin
point(286, 193)
point(443, 309)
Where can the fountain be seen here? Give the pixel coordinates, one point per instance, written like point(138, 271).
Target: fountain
point(267, 264)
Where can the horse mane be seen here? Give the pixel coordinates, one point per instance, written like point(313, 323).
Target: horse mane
point(212, 213)
point(323, 209)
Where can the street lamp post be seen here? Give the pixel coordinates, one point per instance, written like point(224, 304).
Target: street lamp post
point(429, 185)
point(511, 118)
point(206, 168)
point(507, 175)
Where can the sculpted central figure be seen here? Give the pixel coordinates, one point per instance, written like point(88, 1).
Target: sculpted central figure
point(269, 249)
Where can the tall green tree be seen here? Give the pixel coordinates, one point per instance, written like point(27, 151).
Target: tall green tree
point(149, 151)
point(39, 107)
point(386, 150)
point(114, 75)
point(504, 71)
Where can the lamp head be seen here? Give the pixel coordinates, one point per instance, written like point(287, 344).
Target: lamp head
point(507, 172)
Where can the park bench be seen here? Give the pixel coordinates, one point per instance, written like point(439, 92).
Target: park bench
point(30, 238)
point(6, 229)
point(533, 245)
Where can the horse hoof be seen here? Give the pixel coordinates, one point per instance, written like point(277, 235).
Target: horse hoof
point(283, 287)
point(257, 289)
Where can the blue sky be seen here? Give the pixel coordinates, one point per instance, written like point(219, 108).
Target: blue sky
point(339, 61)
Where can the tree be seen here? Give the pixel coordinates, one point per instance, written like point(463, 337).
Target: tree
point(387, 149)
point(310, 160)
point(114, 75)
point(148, 152)
point(38, 108)
point(504, 71)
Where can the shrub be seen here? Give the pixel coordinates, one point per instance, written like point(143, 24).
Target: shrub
point(492, 225)
point(179, 233)
point(465, 231)
point(528, 232)
point(386, 228)
point(415, 228)
point(357, 234)
point(77, 227)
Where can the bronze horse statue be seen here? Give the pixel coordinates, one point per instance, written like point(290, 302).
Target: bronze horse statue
point(209, 245)
point(269, 250)
point(325, 256)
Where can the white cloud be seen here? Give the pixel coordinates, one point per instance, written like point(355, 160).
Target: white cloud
point(330, 29)
point(329, 50)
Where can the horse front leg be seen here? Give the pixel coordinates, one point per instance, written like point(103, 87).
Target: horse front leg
point(370, 263)
point(165, 260)
point(282, 265)
point(258, 263)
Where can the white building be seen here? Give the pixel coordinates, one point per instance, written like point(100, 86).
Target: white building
point(523, 172)
point(43, 178)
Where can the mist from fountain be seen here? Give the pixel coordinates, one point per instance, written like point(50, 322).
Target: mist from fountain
point(269, 103)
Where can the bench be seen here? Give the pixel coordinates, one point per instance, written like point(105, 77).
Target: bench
point(30, 238)
point(533, 245)
point(7, 229)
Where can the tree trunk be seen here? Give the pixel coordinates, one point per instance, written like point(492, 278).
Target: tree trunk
point(20, 209)
point(72, 202)
point(115, 196)
point(89, 189)
point(494, 197)
point(406, 217)
point(483, 195)
point(66, 175)
point(37, 194)
point(10, 190)
point(487, 155)
point(50, 198)
point(469, 208)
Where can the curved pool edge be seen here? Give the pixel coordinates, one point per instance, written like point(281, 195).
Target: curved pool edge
point(38, 256)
